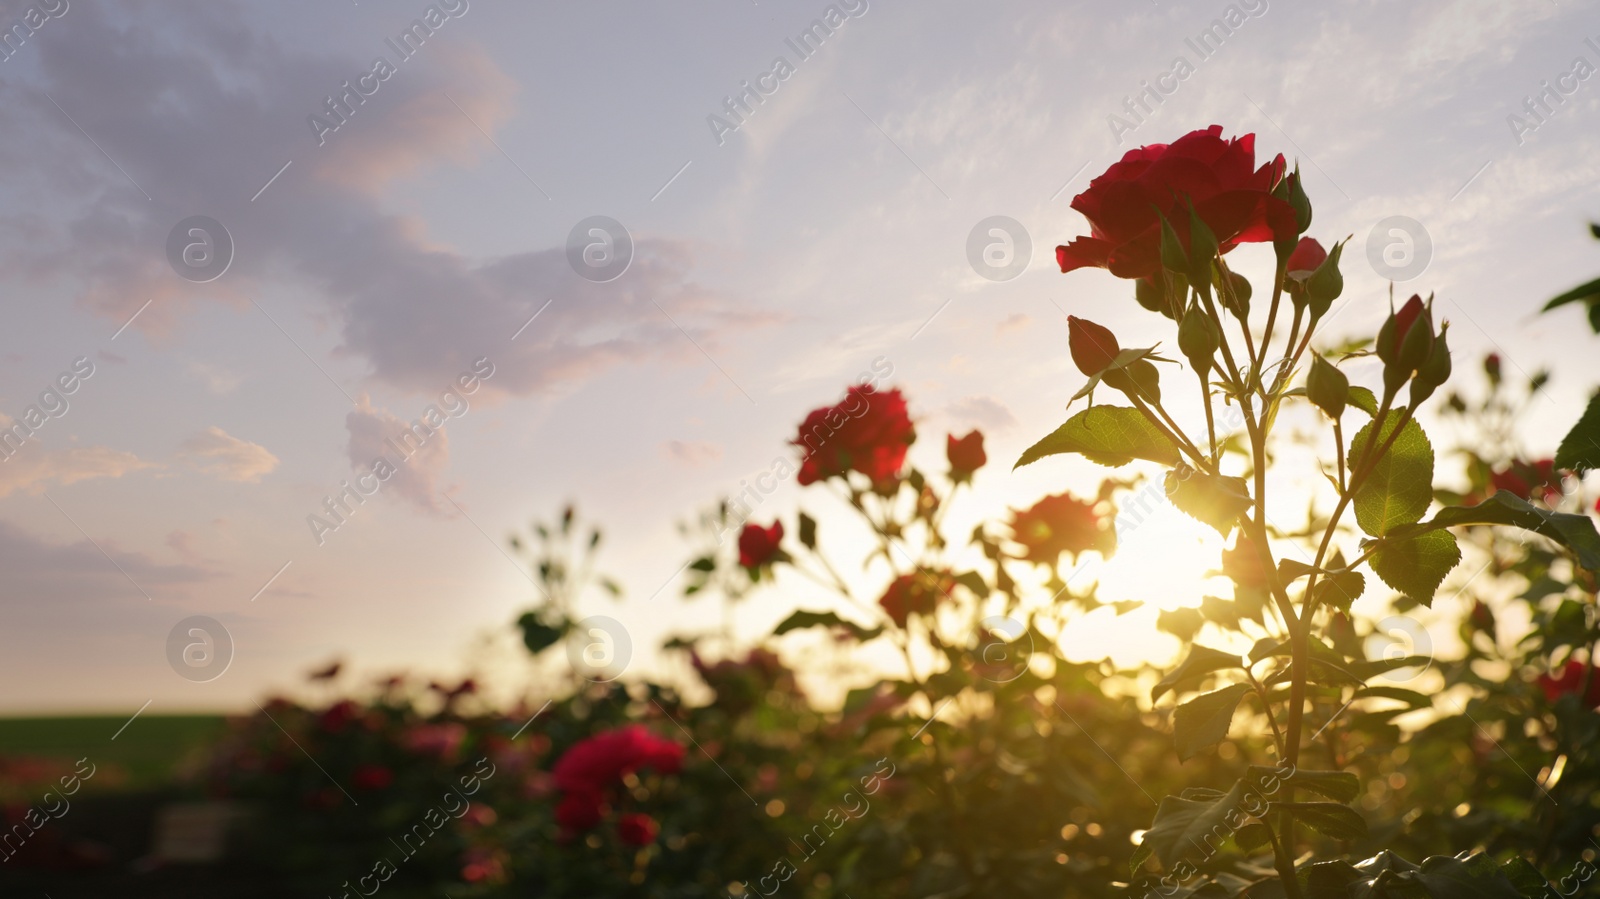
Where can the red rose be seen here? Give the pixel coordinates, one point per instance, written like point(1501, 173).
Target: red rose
point(637, 829)
point(1570, 682)
point(966, 454)
point(600, 761)
point(915, 594)
point(1218, 176)
point(1524, 478)
point(338, 716)
point(1061, 524)
point(578, 811)
point(371, 777)
point(1308, 255)
point(868, 432)
point(757, 545)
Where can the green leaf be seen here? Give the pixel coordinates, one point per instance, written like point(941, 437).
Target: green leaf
point(1203, 722)
point(1400, 486)
point(1524, 876)
point(1183, 825)
point(1106, 435)
point(802, 619)
point(1575, 532)
point(1333, 819)
point(1416, 565)
point(1202, 660)
point(973, 581)
point(1464, 876)
point(1341, 588)
point(1580, 449)
point(808, 531)
point(1409, 697)
point(1363, 399)
point(538, 635)
point(1141, 854)
point(1252, 836)
point(1340, 786)
point(1217, 500)
point(1584, 293)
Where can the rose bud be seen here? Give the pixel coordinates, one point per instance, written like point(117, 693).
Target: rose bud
point(1093, 347)
point(1198, 338)
point(1326, 283)
point(1202, 246)
point(1327, 387)
point(1404, 342)
point(1433, 372)
point(1307, 257)
point(1491, 367)
point(966, 455)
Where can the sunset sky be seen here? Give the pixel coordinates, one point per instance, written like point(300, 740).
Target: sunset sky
point(375, 263)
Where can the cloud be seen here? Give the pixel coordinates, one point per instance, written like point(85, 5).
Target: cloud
point(34, 469)
point(217, 379)
point(693, 453)
point(416, 480)
point(201, 111)
point(984, 412)
point(216, 452)
point(1016, 321)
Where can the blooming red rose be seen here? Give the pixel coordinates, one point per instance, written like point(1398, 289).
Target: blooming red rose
point(335, 718)
point(1570, 682)
point(966, 454)
point(371, 777)
point(637, 829)
point(1061, 524)
point(757, 544)
point(442, 741)
point(915, 594)
point(867, 432)
point(1219, 176)
point(579, 811)
point(600, 761)
point(1308, 255)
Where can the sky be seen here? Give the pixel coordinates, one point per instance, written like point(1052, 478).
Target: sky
point(387, 222)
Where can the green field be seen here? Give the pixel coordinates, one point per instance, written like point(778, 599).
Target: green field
point(146, 755)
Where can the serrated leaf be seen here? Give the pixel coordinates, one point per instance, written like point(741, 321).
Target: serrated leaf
point(1203, 722)
point(1580, 449)
point(1417, 565)
point(1363, 399)
point(1341, 588)
point(802, 619)
point(1575, 532)
point(1181, 825)
point(1200, 661)
point(1217, 500)
point(1106, 435)
point(1333, 819)
point(1400, 486)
